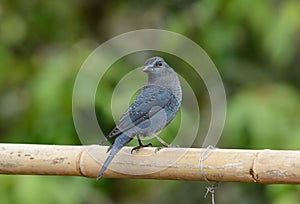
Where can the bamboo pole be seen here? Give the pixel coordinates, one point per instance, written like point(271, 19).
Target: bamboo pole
point(224, 165)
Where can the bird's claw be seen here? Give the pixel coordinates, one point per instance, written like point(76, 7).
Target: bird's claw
point(141, 146)
point(165, 146)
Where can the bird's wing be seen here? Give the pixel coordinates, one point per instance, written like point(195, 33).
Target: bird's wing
point(149, 97)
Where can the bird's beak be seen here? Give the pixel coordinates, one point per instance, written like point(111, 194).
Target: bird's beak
point(147, 68)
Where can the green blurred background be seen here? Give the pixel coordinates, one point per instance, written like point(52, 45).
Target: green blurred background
point(254, 44)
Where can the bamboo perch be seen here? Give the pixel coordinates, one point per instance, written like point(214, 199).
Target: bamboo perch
point(224, 165)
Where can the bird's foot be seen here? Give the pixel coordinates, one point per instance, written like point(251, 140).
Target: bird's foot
point(165, 146)
point(141, 146)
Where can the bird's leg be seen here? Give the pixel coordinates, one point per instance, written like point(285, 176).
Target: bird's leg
point(162, 142)
point(140, 144)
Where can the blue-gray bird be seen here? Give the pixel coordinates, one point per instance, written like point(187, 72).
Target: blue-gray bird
point(153, 109)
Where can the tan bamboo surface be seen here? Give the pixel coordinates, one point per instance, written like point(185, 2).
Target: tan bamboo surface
point(223, 165)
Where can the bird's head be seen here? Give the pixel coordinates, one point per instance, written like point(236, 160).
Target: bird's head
point(155, 65)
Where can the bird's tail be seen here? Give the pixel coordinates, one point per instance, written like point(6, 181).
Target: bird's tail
point(119, 142)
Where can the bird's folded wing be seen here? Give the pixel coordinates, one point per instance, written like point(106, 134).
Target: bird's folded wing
point(150, 97)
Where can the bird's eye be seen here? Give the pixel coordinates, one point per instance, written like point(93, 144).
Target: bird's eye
point(159, 64)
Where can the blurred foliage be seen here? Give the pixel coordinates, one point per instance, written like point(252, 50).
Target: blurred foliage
point(254, 44)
